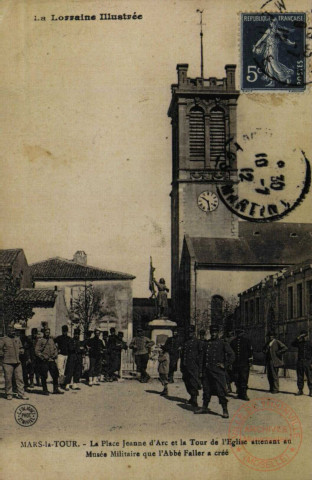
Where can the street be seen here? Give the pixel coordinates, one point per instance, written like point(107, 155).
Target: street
point(118, 416)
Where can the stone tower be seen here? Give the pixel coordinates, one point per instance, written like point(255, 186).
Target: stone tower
point(203, 113)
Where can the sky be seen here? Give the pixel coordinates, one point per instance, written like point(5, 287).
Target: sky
point(86, 140)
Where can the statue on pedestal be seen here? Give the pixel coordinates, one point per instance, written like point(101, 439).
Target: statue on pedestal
point(162, 297)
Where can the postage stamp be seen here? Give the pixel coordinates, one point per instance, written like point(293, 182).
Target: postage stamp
point(273, 51)
point(266, 434)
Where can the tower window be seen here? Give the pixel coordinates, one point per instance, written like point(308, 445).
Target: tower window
point(217, 135)
point(197, 134)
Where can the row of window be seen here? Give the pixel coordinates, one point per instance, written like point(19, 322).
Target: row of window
point(302, 298)
point(197, 134)
point(299, 303)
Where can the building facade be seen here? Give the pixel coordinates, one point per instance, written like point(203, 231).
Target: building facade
point(281, 302)
point(113, 290)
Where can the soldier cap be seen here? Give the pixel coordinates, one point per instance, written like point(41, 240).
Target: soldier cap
point(34, 330)
point(64, 328)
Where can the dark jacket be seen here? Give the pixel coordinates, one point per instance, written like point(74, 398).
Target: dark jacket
point(304, 349)
point(96, 347)
point(191, 355)
point(274, 352)
point(62, 342)
point(216, 354)
point(242, 349)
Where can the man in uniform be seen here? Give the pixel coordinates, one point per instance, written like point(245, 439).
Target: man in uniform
point(112, 354)
point(242, 349)
point(190, 364)
point(10, 349)
point(273, 351)
point(304, 362)
point(216, 356)
point(141, 346)
point(46, 353)
point(62, 343)
point(105, 357)
point(33, 367)
point(73, 371)
point(173, 347)
point(96, 349)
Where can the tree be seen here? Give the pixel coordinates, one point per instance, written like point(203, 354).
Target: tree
point(13, 310)
point(87, 308)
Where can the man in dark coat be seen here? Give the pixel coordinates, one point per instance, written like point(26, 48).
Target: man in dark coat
point(216, 356)
point(33, 367)
point(62, 342)
point(112, 354)
point(73, 370)
point(173, 347)
point(273, 351)
point(105, 358)
point(96, 348)
point(190, 364)
point(304, 362)
point(242, 349)
point(25, 357)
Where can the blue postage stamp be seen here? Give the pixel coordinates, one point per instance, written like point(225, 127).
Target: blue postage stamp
point(273, 51)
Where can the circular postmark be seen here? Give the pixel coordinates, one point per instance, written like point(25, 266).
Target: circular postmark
point(265, 434)
point(272, 179)
point(26, 415)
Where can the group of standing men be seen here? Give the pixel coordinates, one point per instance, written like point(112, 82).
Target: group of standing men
point(26, 358)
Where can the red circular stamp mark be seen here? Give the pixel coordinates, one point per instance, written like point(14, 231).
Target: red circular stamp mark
point(265, 434)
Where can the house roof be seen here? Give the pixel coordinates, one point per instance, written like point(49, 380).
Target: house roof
point(60, 269)
point(37, 297)
point(7, 256)
point(257, 244)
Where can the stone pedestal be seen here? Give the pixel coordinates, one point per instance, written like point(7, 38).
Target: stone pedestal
point(161, 329)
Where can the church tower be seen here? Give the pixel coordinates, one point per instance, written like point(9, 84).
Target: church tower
point(203, 113)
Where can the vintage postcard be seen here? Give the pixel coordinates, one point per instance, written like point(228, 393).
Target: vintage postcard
point(156, 239)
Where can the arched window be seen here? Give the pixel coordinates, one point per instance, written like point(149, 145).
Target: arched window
point(217, 303)
point(217, 135)
point(197, 134)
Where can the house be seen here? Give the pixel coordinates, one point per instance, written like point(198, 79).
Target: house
point(28, 306)
point(114, 289)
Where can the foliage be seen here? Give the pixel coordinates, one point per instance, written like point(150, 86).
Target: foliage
point(87, 309)
point(11, 310)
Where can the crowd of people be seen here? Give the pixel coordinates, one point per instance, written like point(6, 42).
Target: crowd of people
point(27, 360)
point(211, 365)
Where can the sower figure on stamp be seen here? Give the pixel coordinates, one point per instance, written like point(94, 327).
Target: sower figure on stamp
point(46, 353)
point(190, 365)
point(273, 351)
point(10, 350)
point(173, 347)
point(242, 349)
point(141, 346)
point(162, 300)
point(304, 362)
point(268, 47)
point(216, 356)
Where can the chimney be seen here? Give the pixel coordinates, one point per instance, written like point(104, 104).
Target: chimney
point(182, 73)
point(230, 76)
point(80, 257)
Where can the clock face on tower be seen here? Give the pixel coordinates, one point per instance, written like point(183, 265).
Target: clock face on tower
point(208, 201)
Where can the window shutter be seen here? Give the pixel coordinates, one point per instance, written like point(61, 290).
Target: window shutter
point(197, 134)
point(217, 135)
